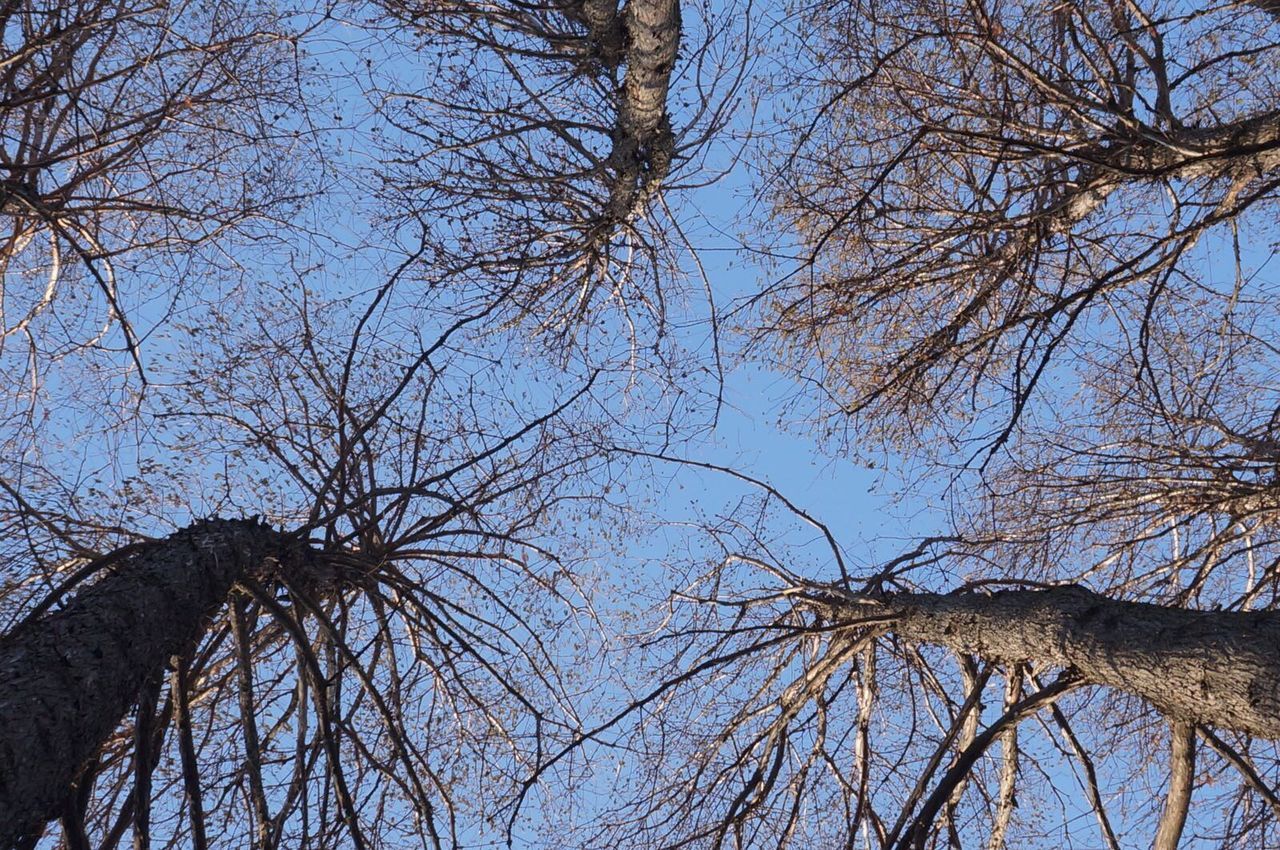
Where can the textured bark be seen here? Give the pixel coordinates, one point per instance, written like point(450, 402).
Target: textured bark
point(645, 35)
point(1217, 668)
point(68, 677)
point(603, 23)
point(1189, 153)
point(643, 139)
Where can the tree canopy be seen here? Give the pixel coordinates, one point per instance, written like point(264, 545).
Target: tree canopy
point(364, 479)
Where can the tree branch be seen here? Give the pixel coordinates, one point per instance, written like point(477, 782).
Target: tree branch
point(1182, 770)
point(1217, 668)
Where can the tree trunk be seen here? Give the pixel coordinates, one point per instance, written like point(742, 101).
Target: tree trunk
point(645, 34)
point(644, 126)
point(1216, 668)
point(68, 677)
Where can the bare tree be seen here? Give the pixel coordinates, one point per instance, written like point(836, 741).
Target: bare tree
point(131, 135)
point(1033, 248)
point(544, 145)
point(1011, 219)
point(979, 189)
point(794, 712)
point(339, 674)
point(340, 682)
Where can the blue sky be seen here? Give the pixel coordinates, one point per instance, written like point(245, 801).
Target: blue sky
point(760, 428)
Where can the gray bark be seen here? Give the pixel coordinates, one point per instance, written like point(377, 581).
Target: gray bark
point(1243, 149)
point(645, 35)
point(1188, 153)
point(643, 142)
point(68, 677)
point(1214, 668)
point(603, 23)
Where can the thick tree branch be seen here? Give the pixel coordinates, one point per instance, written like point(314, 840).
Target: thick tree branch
point(1218, 668)
point(603, 24)
point(643, 142)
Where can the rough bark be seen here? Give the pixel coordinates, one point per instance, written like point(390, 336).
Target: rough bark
point(68, 677)
point(603, 24)
point(1216, 668)
point(643, 143)
point(645, 35)
point(1189, 153)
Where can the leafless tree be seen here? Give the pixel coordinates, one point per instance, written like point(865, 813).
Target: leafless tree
point(796, 712)
point(1033, 248)
point(131, 135)
point(374, 629)
point(547, 144)
point(339, 680)
point(981, 188)
point(1012, 222)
